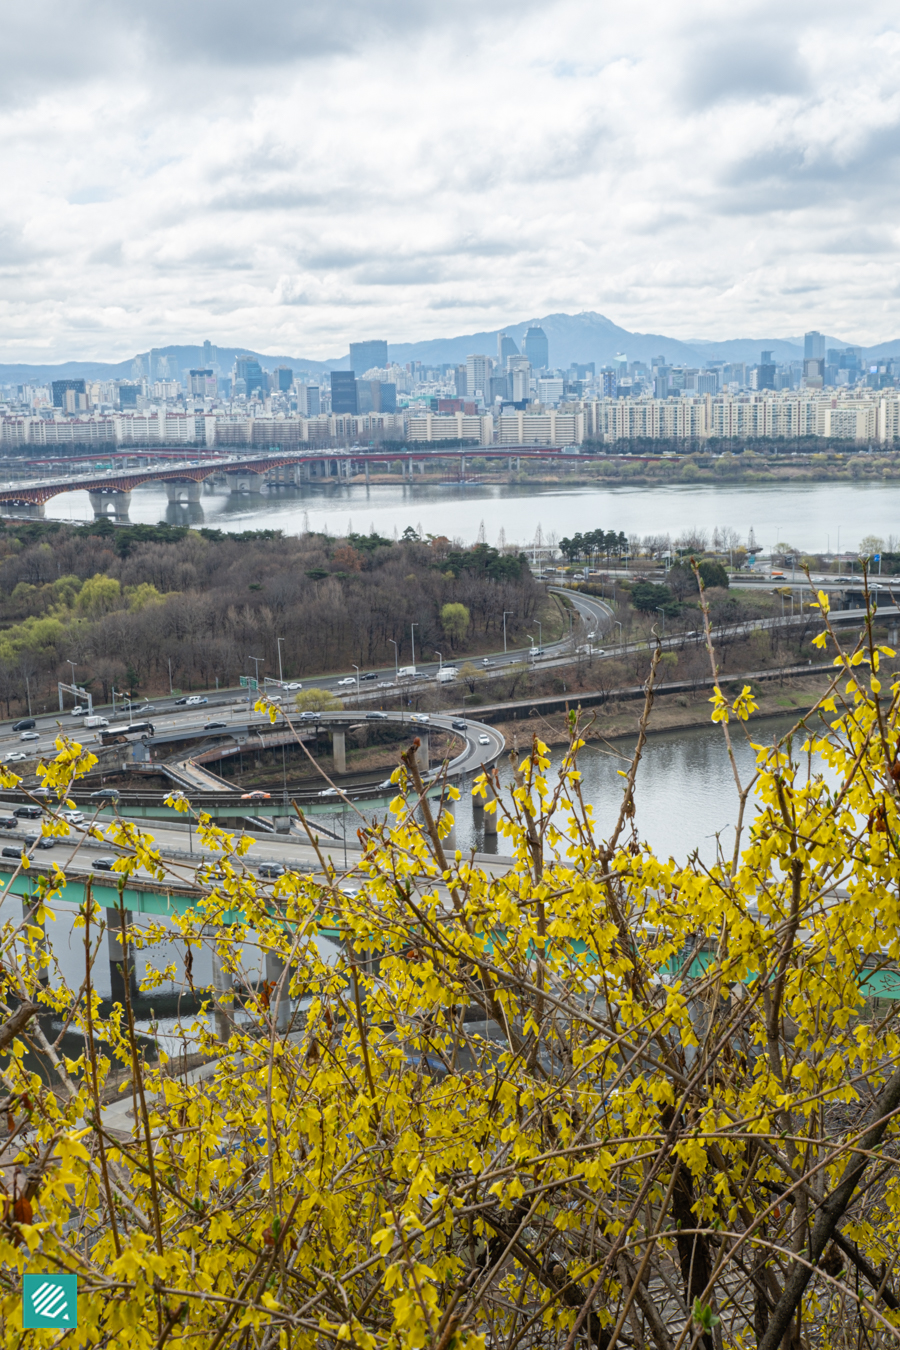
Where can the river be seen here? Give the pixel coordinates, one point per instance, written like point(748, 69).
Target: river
point(812, 517)
point(685, 791)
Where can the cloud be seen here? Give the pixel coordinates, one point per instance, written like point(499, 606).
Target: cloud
point(292, 173)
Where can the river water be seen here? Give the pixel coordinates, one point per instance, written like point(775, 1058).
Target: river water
point(685, 790)
point(812, 517)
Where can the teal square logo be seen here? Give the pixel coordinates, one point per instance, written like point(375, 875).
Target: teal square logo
point(49, 1301)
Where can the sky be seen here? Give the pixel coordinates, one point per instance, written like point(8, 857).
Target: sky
point(291, 174)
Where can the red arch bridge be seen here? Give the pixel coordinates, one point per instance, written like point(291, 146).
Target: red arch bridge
point(110, 491)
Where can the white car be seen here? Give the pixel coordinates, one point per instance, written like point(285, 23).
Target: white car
point(484, 740)
point(79, 711)
point(348, 679)
point(16, 757)
point(328, 792)
point(30, 736)
point(420, 717)
point(292, 687)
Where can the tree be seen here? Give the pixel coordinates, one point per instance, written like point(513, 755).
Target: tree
point(455, 621)
point(317, 700)
point(870, 546)
point(99, 595)
point(647, 596)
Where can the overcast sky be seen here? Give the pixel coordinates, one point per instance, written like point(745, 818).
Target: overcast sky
point(292, 174)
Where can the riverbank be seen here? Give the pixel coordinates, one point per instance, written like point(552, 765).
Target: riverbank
point(671, 712)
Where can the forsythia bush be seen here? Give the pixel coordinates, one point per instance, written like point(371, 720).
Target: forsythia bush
point(596, 1097)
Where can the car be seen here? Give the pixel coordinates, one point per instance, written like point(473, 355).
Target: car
point(104, 864)
point(458, 724)
point(487, 662)
point(40, 841)
point(350, 891)
point(30, 736)
point(8, 822)
point(11, 851)
point(370, 675)
point(42, 792)
point(256, 796)
point(105, 795)
point(376, 717)
point(484, 740)
point(292, 687)
point(24, 724)
point(73, 817)
point(309, 717)
point(28, 812)
point(14, 758)
point(214, 726)
point(195, 701)
point(420, 717)
point(348, 679)
point(147, 708)
point(328, 792)
point(421, 675)
point(181, 702)
point(271, 869)
point(80, 711)
point(385, 684)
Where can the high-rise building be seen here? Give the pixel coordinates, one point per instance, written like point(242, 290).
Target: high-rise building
point(813, 346)
point(520, 377)
point(309, 400)
point(203, 383)
point(506, 347)
point(59, 389)
point(343, 392)
point(283, 378)
point(459, 379)
point(478, 376)
point(536, 347)
point(248, 370)
point(765, 371)
point(366, 355)
point(210, 355)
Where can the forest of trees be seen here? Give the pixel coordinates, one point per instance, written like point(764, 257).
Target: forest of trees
point(123, 603)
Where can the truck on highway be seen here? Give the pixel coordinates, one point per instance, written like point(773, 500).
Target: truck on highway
point(406, 673)
point(446, 674)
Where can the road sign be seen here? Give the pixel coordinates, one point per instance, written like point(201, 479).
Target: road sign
point(49, 1301)
point(248, 682)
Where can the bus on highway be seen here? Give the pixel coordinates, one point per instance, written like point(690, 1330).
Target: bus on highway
point(135, 731)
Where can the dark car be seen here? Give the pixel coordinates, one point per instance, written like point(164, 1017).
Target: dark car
point(180, 702)
point(26, 724)
point(11, 851)
point(271, 869)
point(458, 724)
point(103, 864)
point(8, 822)
point(214, 726)
point(28, 812)
point(370, 675)
point(39, 841)
point(376, 717)
point(105, 795)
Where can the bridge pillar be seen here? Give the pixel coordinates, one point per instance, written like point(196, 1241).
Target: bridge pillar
point(279, 999)
point(423, 754)
point(282, 824)
point(490, 817)
point(339, 750)
point(244, 481)
point(367, 473)
point(183, 490)
point(223, 993)
point(121, 960)
point(102, 501)
point(462, 466)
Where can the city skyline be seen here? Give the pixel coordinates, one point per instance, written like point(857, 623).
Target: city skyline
point(172, 173)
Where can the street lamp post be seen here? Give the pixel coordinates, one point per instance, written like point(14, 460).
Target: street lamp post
point(617, 624)
point(356, 668)
point(531, 653)
point(540, 634)
point(280, 671)
point(505, 612)
point(412, 638)
point(396, 658)
point(257, 661)
point(661, 610)
point(440, 663)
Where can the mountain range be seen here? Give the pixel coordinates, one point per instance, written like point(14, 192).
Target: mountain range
point(572, 338)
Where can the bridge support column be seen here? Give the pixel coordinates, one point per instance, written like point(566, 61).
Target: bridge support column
point(279, 999)
point(423, 754)
point(339, 750)
point(282, 824)
point(518, 462)
point(223, 995)
point(183, 490)
point(246, 481)
point(490, 817)
point(102, 501)
point(367, 473)
point(462, 466)
point(121, 958)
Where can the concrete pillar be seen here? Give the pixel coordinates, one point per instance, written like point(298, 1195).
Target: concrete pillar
point(244, 481)
point(490, 817)
point(102, 501)
point(367, 473)
point(282, 824)
point(121, 958)
point(339, 742)
point(462, 466)
point(280, 1001)
point(423, 754)
point(183, 490)
point(518, 462)
point(223, 995)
